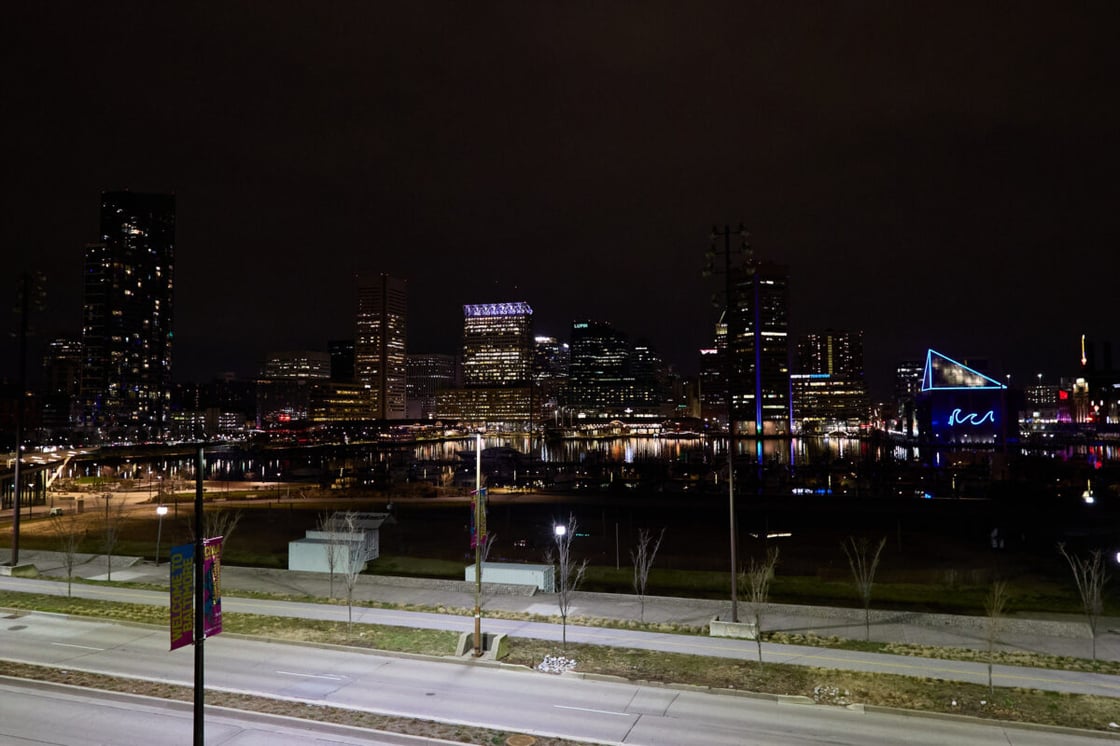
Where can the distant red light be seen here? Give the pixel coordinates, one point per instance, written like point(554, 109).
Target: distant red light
point(1063, 395)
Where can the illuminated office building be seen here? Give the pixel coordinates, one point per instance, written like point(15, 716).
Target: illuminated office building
point(297, 364)
point(381, 344)
point(497, 368)
point(497, 344)
point(757, 339)
point(712, 393)
point(285, 384)
point(127, 317)
point(907, 384)
point(828, 387)
point(551, 360)
point(334, 401)
point(62, 383)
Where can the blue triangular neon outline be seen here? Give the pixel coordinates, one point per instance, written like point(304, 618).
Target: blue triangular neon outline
point(927, 375)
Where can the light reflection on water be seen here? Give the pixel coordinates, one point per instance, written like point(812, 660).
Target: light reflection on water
point(235, 465)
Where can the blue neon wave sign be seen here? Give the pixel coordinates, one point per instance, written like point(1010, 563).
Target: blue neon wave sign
point(971, 418)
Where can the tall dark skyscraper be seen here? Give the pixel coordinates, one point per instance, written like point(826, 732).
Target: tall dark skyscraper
point(127, 325)
point(758, 342)
point(599, 377)
point(610, 377)
point(381, 344)
point(342, 360)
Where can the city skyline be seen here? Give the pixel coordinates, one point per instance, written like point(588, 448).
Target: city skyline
point(933, 177)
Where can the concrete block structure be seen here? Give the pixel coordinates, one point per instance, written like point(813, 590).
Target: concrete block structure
point(512, 573)
point(357, 543)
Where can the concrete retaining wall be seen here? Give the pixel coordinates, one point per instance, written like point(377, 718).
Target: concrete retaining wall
point(457, 586)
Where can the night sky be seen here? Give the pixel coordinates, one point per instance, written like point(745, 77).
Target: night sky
point(944, 176)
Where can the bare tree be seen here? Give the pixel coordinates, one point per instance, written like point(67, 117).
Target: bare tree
point(995, 605)
point(70, 533)
point(111, 525)
point(643, 555)
point(569, 573)
point(220, 523)
point(755, 582)
point(331, 525)
point(864, 562)
point(354, 559)
point(1090, 576)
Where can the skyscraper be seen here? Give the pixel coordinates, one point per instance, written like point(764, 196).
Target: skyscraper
point(758, 342)
point(828, 386)
point(342, 360)
point(127, 316)
point(600, 381)
point(381, 344)
point(612, 378)
point(497, 344)
point(428, 374)
point(62, 382)
point(497, 368)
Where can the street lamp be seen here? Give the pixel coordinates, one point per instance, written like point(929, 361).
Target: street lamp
point(560, 531)
point(161, 511)
point(479, 538)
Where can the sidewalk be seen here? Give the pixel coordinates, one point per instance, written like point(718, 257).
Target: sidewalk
point(1066, 635)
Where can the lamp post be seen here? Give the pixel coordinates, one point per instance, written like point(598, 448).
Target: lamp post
point(560, 531)
point(161, 511)
point(479, 537)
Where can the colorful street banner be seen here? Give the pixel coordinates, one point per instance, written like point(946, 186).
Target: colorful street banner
point(183, 591)
point(182, 596)
point(478, 519)
point(212, 586)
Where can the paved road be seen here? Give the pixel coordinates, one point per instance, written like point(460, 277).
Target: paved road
point(54, 715)
point(490, 696)
point(1011, 676)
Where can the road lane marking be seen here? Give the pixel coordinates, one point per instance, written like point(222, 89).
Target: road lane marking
point(331, 677)
point(588, 709)
point(71, 645)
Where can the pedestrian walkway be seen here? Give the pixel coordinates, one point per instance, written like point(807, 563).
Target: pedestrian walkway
point(1065, 635)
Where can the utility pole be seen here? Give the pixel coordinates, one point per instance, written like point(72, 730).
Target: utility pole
point(729, 376)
